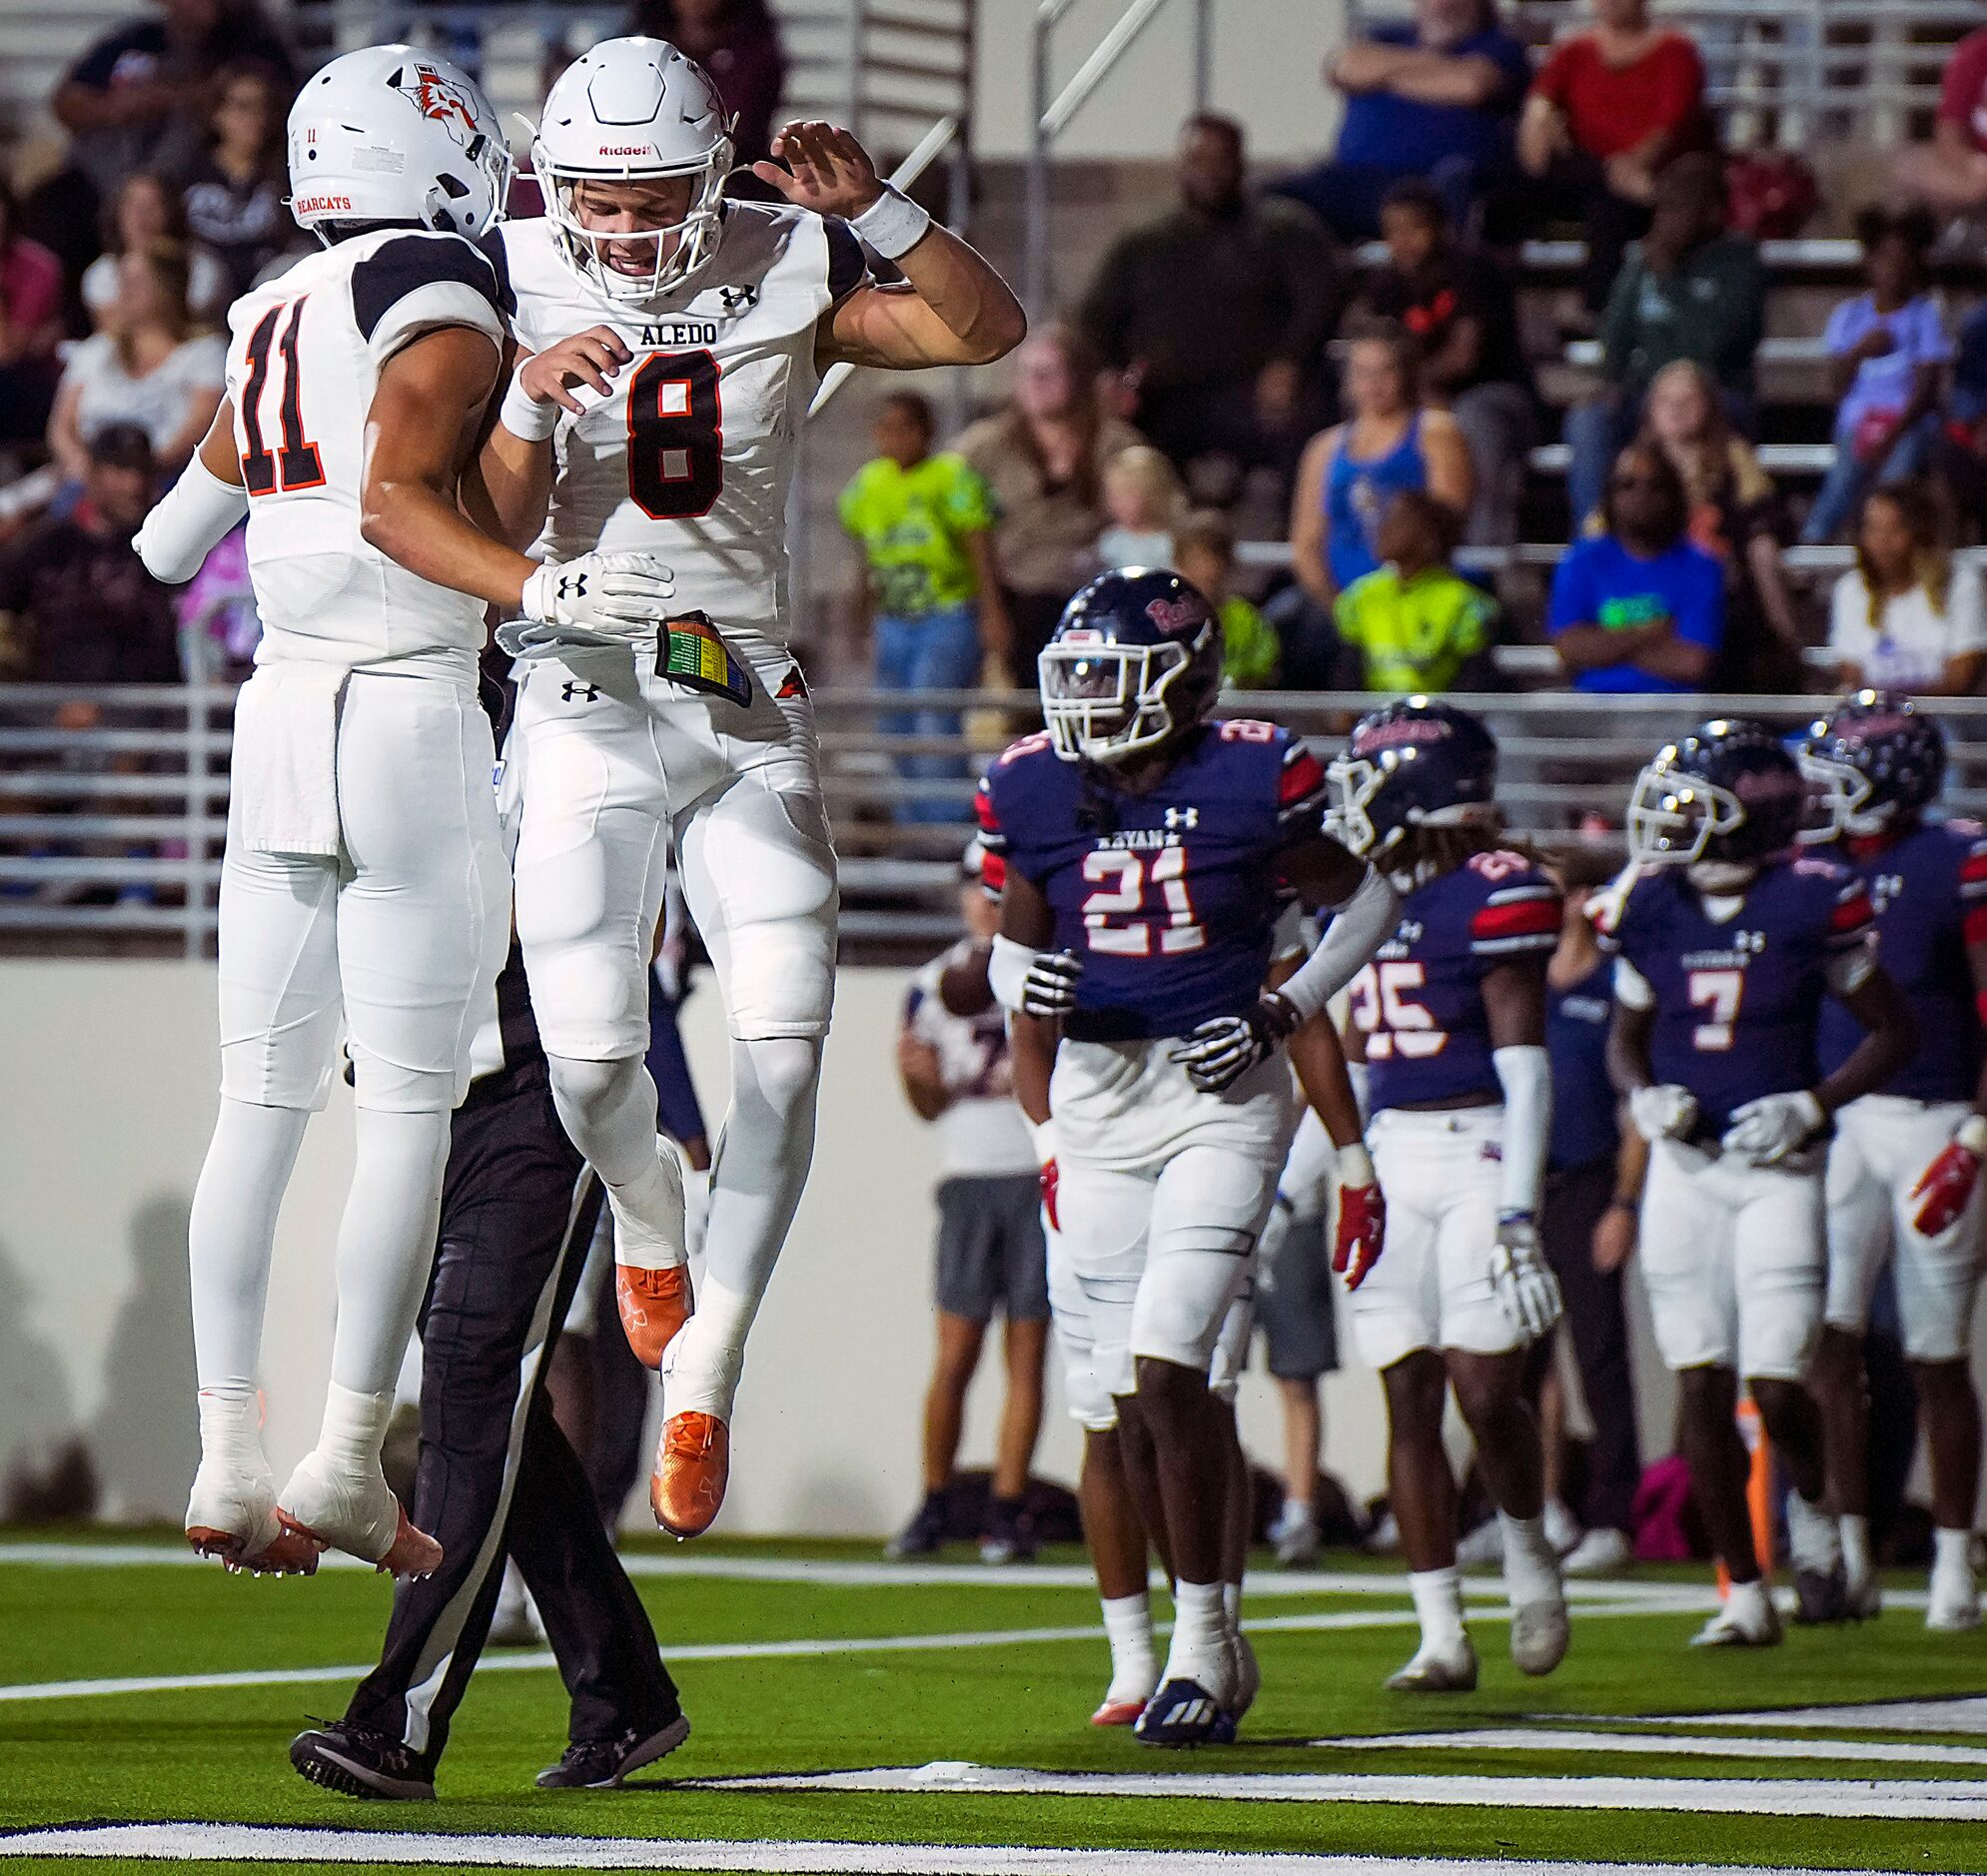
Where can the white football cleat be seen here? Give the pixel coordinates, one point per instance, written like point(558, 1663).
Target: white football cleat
point(1743, 1622)
point(230, 1517)
point(1451, 1669)
point(1955, 1603)
point(1601, 1552)
point(356, 1514)
point(1539, 1635)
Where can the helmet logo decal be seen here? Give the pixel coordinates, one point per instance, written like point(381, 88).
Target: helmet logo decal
point(1401, 731)
point(1177, 615)
point(437, 98)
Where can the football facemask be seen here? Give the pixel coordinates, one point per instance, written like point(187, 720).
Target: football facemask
point(1104, 701)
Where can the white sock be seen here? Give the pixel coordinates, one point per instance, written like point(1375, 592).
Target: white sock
point(1952, 1553)
point(1814, 1537)
point(1438, 1604)
point(1532, 1565)
point(1134, 1662)
point(231, 1428)
point(702, 1368)
point(385, 1244)
point(1747, 1602)
point(1854, 1531)
point(764, 1152)
point(1200, 1636)
point(354, 1426)
point(230, 1236)
point(653, 1204)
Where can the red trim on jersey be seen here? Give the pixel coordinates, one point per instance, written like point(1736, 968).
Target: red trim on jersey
point(1973, 870)
point(1975, 926)
point(1521, 918)
point(993, 873)
point(1303, 775)
point(983, 810)
point(1850, 913)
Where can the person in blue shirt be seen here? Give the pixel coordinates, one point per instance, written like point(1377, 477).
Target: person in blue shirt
point(1639, 608)
point(1435, 98)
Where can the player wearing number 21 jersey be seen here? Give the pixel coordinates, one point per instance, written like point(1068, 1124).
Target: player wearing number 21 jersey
point(1142, 852)
point(1450, 1017)
point(1728, 944)
point(677, 339)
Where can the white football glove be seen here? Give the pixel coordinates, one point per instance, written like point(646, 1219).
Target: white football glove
point(1049, 988)
point(1525, 1289)
point(1664, 1112)
point(1765, 1131)
point(599, 600)
point(1217, 1053)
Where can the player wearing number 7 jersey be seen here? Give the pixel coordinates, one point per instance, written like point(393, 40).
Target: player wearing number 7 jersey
point(679, 340)
point(1450, 1017)
point(364, 874)
point(1728, 944)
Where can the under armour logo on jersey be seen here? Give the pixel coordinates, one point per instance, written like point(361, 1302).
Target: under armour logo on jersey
point(1183, 817)
point(576, 691)
point(738, 299)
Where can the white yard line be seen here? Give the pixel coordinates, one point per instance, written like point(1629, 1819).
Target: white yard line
point(241, 1843)
point(1957, 1713)
point(1922, 1800)
point(1682, 1745)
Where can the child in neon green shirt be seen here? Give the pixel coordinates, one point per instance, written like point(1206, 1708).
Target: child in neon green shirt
point(1204, 556)
point(1416, 624)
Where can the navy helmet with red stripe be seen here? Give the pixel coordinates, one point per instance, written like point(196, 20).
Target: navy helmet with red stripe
point(1874, 762)
point(1730, 793)
point(1416, 763)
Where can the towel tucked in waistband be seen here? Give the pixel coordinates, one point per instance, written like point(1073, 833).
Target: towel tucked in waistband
point(286, 758)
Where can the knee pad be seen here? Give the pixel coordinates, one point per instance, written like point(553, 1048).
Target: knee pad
point(1184, 1299)
point(785, 1069)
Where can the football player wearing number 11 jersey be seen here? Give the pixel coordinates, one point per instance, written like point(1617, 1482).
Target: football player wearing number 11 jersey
point(678, 338)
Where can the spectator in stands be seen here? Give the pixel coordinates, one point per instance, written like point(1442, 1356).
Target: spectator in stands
point(30, 327)
point(1907, 616)
point(1950, 171)
point(235, 195)
point(924, 520)
point(1611, 106)
point(76, 604)
point(1234, 373)
point(1142, 504)
point(1737, 516)
point(1435, 98)
point(148, 367)
point(1457, 302)
point(737, 42)
point(1688, 290)
point(1640, 606)
point(1043, 457)
point(1416, 624)
point(1889, 352)
point(952, 1055)
point(1390, 440)
point(144, 210)
point(134, 99)
point(1204, 556)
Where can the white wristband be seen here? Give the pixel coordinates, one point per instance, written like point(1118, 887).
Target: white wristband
point(1356, 1166)
point(525, 420)
point(893, 224)
point(1041, 1134)
point(1972, 1135)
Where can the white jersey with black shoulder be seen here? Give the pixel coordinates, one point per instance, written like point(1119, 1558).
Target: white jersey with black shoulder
point(691, 454)
point(305, 355)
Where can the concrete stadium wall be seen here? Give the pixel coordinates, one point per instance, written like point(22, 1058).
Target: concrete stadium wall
point(107, 1085)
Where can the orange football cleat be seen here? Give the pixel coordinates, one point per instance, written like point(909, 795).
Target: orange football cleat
point(692, 1468)
point(653, 1306)
point(1118, 1713)
point(285, 1555)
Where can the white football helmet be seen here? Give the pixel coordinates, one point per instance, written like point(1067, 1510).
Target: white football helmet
point(392, 134)
point(631, 110)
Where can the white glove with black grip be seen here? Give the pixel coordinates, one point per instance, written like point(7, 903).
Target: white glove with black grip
point(598, 600)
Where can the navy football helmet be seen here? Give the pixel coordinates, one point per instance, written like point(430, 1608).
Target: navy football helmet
point(1134, 660)
point(1730, 793)
point(1873, 762)
point(1412, 763)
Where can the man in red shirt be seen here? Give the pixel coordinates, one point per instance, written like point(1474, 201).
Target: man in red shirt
point(1950, 171)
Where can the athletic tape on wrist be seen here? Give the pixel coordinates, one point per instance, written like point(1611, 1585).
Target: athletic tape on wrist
point(893, 224)
point(525, 418)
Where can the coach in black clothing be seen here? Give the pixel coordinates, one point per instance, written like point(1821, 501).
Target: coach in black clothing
point(518, 1212)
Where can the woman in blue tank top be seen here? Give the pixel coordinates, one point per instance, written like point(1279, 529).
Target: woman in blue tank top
point(1351, 474)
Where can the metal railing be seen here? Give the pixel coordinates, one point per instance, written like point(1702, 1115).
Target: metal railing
point(1051, 112)
point(111, 833)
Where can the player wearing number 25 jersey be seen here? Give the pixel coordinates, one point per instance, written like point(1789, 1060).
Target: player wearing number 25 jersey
point(1728, 942)
point(1450, 1017)
point(679, 340)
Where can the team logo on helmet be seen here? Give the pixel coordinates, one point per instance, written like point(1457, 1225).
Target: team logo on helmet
point(1176, 617)
point(439, 98)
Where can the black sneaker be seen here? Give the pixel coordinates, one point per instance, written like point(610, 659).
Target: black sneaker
point(1010, 1535)
point(361, 1762)
point(925, 1534)
point(602, 1765)
point(1821, 1597)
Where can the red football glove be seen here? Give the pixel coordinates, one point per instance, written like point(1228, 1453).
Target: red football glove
point(1947, 1184)
point(1047, 1180)
point(1361, 1233)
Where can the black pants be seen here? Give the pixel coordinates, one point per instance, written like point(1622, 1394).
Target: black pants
point(517, 1211)
point(1575, 1201)
point(1576, 189)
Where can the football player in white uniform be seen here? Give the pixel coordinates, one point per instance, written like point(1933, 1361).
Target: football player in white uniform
point(363, 874)
point(678, 340)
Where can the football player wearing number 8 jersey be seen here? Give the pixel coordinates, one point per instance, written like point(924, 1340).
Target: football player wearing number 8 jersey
point(1729, 943)
point(1450, 1017)
point(678, 338)
point(1145, 850)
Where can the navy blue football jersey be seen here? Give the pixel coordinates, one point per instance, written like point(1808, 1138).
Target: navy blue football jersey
point(1929, 893)
point(1170, 897)
point(1738, 1002)
point(1420, 1000)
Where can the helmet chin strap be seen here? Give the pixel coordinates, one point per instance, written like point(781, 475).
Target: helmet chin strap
point(1722, 877)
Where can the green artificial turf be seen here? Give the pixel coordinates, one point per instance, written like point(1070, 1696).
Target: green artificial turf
point(218, 1753)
